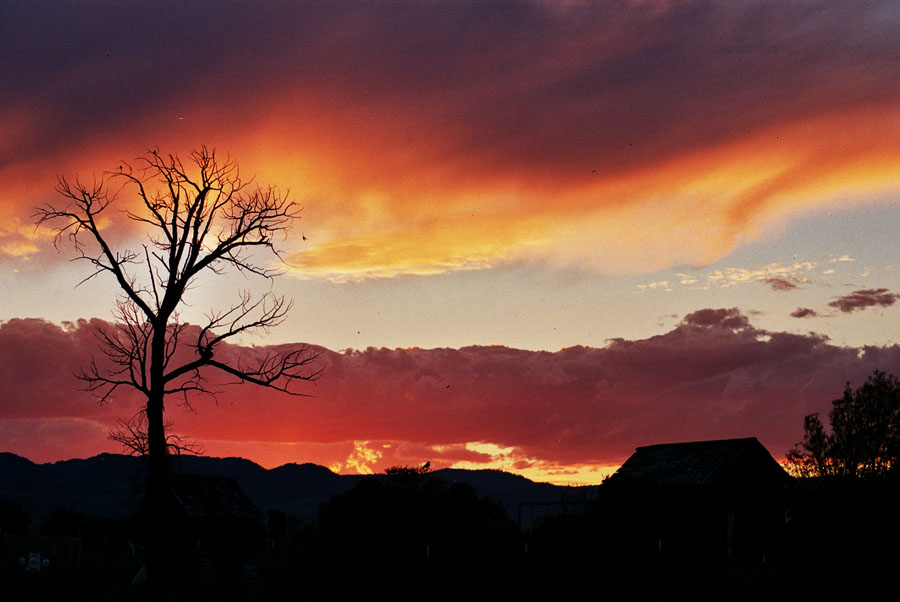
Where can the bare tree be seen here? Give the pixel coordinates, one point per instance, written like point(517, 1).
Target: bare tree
point(200, 218)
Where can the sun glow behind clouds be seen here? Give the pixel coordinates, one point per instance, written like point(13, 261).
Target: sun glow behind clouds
point(22, 240)
point(423, 250)
point(369, 457)
point(509, 459)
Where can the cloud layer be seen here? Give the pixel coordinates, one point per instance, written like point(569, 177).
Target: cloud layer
point(713, 376)
point(424, 138)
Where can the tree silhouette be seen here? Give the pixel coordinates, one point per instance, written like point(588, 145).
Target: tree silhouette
point(435, 530)
point(200, 218)
point(865, 433)
point(200, 221)
point(131, 434)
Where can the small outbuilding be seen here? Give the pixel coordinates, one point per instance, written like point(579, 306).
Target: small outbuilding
point(703, 503)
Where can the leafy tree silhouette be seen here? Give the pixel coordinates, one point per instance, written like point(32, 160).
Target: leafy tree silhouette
point(865, 433)
point(843, 536)
point(200, 219)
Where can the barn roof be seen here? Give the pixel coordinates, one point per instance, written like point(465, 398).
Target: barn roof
point(698, 463)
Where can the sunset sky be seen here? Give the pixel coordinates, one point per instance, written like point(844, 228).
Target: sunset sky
point(535, 235)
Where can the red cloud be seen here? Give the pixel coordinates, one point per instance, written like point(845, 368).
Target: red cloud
point(712, 376)
point(38, 361)
point(862, 299)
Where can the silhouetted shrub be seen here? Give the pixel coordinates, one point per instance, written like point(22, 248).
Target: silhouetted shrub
point(412, 519)
point(13, 518)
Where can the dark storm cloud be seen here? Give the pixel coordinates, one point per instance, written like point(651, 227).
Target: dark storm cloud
point(861, 299)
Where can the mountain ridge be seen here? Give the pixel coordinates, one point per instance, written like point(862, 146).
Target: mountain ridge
point(111, 484)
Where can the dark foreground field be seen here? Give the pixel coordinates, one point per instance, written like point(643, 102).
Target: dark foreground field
point(414, 536)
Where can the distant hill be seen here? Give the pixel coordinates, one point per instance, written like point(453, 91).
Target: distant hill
point(111, 484)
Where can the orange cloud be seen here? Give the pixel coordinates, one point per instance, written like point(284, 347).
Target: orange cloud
point(18, 239)
point(620, 138)
point(473, 243)
point(692, 208)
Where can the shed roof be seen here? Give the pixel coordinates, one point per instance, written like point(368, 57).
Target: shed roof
point(698, 463)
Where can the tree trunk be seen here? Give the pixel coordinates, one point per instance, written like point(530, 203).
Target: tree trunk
point(156, 440)
point(159, 541)
point(154, 500)
point(156, 430)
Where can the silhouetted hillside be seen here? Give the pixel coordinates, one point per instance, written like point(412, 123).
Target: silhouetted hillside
point(105, 485)
point(506, 488)
point(110, 484)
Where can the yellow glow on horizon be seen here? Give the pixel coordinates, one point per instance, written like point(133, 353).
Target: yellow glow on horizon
point(361, 459)
point(509, 459)
point(368, 457)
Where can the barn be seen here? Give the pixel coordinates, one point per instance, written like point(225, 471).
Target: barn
point(703, 503)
